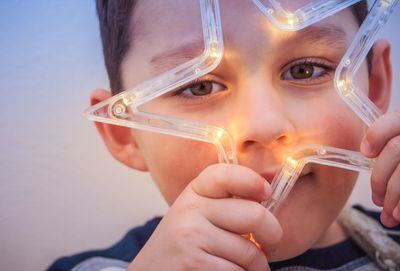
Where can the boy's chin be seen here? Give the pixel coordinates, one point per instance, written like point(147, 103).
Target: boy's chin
point(290, 247)
point(285, 252)
point(296, 218)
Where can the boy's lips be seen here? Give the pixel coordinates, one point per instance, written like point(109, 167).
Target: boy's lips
point(269, 175)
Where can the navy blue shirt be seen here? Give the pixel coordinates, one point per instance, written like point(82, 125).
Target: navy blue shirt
point(346, 253)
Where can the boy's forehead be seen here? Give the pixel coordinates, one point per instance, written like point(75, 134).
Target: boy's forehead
point(171, 32)
point(182, 18)
point(186, 5)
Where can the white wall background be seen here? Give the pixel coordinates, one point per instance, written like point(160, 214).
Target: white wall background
point(60, 191)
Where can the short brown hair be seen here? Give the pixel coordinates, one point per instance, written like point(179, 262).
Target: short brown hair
point(114, 21)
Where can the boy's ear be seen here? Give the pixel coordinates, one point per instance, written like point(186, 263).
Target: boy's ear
point(119, 140)
point(380, 80)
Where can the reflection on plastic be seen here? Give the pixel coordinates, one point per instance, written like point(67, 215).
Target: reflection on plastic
point(294, 164)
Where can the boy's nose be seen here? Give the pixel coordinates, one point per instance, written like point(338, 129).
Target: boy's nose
point(261, 121)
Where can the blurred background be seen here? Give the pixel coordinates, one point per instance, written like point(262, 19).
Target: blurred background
point(61, 191)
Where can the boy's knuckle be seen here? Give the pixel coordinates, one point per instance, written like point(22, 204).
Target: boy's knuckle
point(192, 261)
point(189, 206)
point(188, 233)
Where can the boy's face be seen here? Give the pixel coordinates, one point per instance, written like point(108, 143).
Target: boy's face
point(272, 91)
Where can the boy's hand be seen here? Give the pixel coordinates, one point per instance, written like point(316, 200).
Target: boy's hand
point(202, 229)
point(382, 141)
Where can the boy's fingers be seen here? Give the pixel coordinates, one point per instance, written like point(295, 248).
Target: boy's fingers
point(381, 132)
point(222, 181)
point(396, 212)
point(384, 167)
point(237, 249)
point(219, 264)
point(388, 220)
point(392, 196)
point(243, 216)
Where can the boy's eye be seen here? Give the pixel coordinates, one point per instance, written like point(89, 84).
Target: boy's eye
point(302, 71)
point(307, 71)
point(200, 88)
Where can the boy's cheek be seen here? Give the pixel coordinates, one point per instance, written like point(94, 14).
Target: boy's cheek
point(346, 132)
point(173, 162)
point(336, 126)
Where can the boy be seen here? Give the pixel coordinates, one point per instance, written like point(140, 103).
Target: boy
point(273, 91)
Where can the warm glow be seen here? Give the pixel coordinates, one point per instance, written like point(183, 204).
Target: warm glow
point(218, 134)
point(250, 237)
point(292, 20)
point(127, 100)
point(322, 151)
point(343, 86)
point(214, 52)
point(341, 83)
point(292, 162)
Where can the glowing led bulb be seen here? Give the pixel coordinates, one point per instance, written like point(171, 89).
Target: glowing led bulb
point(343, 86)
point(341, 83)
point(292, 20)
point(218, 134)
point(127, 100)
point(292, 162)
point(214, 52)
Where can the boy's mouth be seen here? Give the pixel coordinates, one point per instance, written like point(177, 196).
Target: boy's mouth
point(269, 175)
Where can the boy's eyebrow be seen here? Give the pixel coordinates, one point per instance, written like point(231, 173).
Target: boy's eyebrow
point(180, 54)
point(323, 35)
point(328, 34)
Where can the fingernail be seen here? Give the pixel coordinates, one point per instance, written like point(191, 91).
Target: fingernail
point(365, 147)
point(388, 220)
point(396, 213)
point(377, 200)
